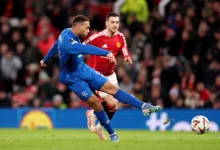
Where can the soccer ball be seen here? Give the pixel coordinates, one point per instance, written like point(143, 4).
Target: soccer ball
point(200, 124)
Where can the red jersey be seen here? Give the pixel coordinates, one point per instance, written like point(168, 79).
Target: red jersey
point(115, 44)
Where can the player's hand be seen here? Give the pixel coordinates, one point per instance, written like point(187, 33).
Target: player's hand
point(43, 64)
point(112, 59)
point(128, 60)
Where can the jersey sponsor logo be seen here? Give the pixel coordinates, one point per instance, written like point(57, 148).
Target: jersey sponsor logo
point(105, 46)
point(73, 41)
point(84, 94)
point(118, 44)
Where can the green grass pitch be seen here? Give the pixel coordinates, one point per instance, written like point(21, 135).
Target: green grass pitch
point(15, 139)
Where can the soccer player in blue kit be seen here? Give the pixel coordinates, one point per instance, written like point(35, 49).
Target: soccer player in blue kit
point(82, 80)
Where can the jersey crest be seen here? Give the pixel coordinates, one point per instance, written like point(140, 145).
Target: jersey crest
point(118, 44)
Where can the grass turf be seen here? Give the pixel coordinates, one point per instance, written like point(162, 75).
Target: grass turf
point(14, 139)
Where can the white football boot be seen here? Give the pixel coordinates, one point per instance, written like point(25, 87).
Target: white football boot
point(91, 120)
point(100, 132)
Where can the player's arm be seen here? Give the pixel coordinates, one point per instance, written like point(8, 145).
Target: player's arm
point(87, 41)
point(76, 48)
point(53, 51)
point(125, 52)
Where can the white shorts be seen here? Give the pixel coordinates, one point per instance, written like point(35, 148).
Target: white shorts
point(113, 79)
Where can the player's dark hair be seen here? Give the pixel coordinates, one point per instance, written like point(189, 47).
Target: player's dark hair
point(111, 14)
point(79, 19)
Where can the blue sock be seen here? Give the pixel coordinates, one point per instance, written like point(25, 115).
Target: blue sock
point(126, 98)
point(104, 120)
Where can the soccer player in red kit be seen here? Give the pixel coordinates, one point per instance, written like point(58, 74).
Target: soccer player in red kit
point(112, 40)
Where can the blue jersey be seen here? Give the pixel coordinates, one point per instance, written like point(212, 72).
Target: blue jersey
point(70, 52)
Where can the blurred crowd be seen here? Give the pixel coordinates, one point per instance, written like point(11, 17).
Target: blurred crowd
point(176, 55)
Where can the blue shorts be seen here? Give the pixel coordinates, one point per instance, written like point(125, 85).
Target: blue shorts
point(88, 82)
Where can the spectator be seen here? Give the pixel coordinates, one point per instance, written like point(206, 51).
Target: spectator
point(126, 83)
point(216, 104)
point(139, 7)
point(217, 84)
point(75, 102)
point(36, 103)
point(155, 92)
point(33, 54)
point(137, 45)
point(193, 99)
point(64, 92)
point(58, 102)
point(4, 100)
point(174, 95)
point(211, 73)
point(212, 98)
point(140, 91)
point(204, 93)
point(197, 68)
point(10, 64)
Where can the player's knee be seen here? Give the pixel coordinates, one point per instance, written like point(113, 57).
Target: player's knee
point(113, 105)
point(110, 88)
point(94, 102)
point(111, 102)
point(97, 106)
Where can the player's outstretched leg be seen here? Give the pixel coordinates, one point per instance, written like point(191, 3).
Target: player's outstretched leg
point(102, 117)
point(126, 98)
